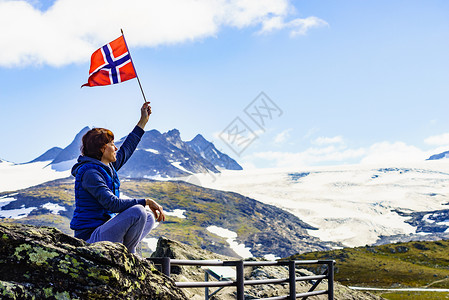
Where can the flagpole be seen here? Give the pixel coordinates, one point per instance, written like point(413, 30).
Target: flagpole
point(132, 63)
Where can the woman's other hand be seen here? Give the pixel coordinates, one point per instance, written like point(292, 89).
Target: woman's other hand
point(145, 113)
point(156, 209)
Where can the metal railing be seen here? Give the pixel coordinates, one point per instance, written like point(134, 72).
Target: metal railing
point(240, 282)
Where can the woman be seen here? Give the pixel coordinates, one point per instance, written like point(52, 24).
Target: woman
point(97, 196)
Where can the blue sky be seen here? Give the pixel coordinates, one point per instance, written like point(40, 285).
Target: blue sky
point(354, 81)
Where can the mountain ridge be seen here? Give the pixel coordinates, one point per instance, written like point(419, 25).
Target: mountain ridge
point(157, 155)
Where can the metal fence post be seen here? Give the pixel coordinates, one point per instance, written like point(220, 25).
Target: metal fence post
point(206, 289)
point(330, 280)
point(292, 279)
point(240, 280)
point(166, 266)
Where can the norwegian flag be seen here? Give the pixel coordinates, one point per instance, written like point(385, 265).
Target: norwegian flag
point(111, 64)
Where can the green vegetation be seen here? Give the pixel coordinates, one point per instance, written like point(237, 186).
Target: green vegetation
point(59, 192)
point(412, 264)
point(51, 220)
point(415, 295)
point(222, 209)
point(62, 194)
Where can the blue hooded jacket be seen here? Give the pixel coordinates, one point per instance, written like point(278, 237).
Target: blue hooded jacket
point(97, 194)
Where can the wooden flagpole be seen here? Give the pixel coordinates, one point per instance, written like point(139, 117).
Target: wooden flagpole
point(138, 80)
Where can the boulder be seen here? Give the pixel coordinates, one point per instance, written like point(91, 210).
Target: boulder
point(43, 262)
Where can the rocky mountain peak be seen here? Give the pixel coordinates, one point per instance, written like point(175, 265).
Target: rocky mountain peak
point(200, 140)
point(207, 149)
point(174, 137)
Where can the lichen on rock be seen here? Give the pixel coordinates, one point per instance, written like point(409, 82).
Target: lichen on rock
point(42, 262)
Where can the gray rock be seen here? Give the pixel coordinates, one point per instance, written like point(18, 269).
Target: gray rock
point(41, 263)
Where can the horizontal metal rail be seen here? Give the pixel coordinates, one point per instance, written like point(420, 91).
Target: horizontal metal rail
point(204, 284)
point(239, 283)
point(308, 294)
point(282, 280)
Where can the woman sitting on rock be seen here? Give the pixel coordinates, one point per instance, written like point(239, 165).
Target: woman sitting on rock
point(97, 197)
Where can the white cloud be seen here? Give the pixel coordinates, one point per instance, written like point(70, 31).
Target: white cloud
point(438, 140)
point(309, 157)
point(334, 151)
point(297, 26)
point(328, 140)
point(283, 136)
point(70, 30)
point(398, 152)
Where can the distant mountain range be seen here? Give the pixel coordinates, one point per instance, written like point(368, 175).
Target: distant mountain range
point(439, 156)
point(157, 155)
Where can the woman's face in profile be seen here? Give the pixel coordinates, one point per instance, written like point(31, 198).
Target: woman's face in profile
point(109, 153)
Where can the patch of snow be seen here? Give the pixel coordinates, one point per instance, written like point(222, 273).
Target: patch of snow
point(152, 151)
point(18, 213)
point(151, 242)
point(19, 176)
point(176, 213)
point(177, 164)
point(230, 237)
point(54, 208)
point(424, 233)
point(445, 223)
point(426, 218)
point(6, 200)
point(336, 247)
point(271, 257)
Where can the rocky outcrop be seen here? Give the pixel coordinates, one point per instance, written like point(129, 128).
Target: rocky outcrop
point(41, 263)
point(177, 250)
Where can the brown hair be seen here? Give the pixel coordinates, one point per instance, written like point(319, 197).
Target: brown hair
point(94, 140)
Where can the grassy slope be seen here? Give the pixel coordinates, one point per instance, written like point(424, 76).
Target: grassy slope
point(195, 201)
point(413, 264)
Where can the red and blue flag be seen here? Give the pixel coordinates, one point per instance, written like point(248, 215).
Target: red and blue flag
point(111, 64)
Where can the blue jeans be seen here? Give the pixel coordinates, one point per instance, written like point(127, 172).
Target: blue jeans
point(128, 227)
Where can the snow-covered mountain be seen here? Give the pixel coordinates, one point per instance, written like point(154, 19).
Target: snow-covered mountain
point(354, 205)
point(439, 156)
point(165, 155)
point(158, 155)
point(208, 151)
